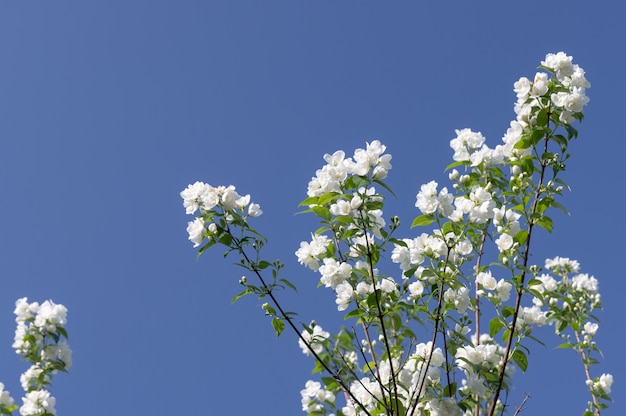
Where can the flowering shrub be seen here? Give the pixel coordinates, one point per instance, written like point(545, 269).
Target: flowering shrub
point(41, 339)
point(480, 318)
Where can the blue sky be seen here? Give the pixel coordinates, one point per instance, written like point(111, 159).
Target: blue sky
point(109, 109)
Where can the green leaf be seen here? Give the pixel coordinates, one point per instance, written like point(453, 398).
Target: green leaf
point(507, 311)
point(542, 117)
point(263, 264)
point(240, 295)
point(374, 205)
point(561, 207)
point(384, 185)
point(544, 204)
point(289, 284)
point(520, 237)
point(278, 325)
point(450, 390)
point(357, 313)
point(372, 297)
point(545, 223)
point(423, 220)
point(455, 164)
point(494, 326)
point(312, 200)
point(561, 141)
point(62, 331)
point(520, 359)
point(326, 198)
point(209, 244)
point(226, 239)
point(269, 309)
point(321, 212)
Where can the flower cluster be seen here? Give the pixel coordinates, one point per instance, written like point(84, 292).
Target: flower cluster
point(314, 397)
point(205, 198)
point(331, 176)
point(40, 338)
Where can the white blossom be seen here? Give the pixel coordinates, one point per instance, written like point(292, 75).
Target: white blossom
point(196, 231)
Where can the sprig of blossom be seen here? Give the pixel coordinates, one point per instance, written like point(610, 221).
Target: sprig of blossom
point(40, 338)
point(209, 201)
point(490, 210)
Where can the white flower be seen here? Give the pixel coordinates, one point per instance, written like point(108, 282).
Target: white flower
point(199, 196)
point(51, 315)
point(388, 285)
point(363, 288)
point(533, 316)
point(504, 242)
point(196, 231)
point(429, 202)
point(308, 254)
point(605, 382)
point(229, 198)
point(578, 78)
point(465, 142)
point(345, 292)
point(591, 328)
point(573, 101)
point(503, 290)
point(560, 63)
point(486, 280)
point(334, 273)
point(341, 208)
point(24, 310)
point(459, 298)
point(475, 384)
point(486, 155)
point(540, 84)
point(37, 402)
point(522, 88)
point(242, 202)
point(336, 159)
point(416, 289)
point(29, 377)
point(562, 265)
point(254, 210)
point(444, 407)
point(5, 397)
point(586, 283)
point(314, 339)
point(427, 198)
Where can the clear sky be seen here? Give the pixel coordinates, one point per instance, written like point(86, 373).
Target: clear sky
point(108, 109)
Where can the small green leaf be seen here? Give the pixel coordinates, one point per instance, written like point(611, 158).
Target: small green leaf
point(520, 359)
point(545, 223)
point(289, 284)
point(560, 206)
point(450, 390)
point(357, 313)
point(309, 201)
point(422, 221)
point(542, 117)
point(507, 311)
point(278, 325)
point(520, 237)
point(384, 185)
point(321, 212)
point(494, 326)
point(226, 239)
point(240, 295)
point(263, 264)
point(326, 198)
